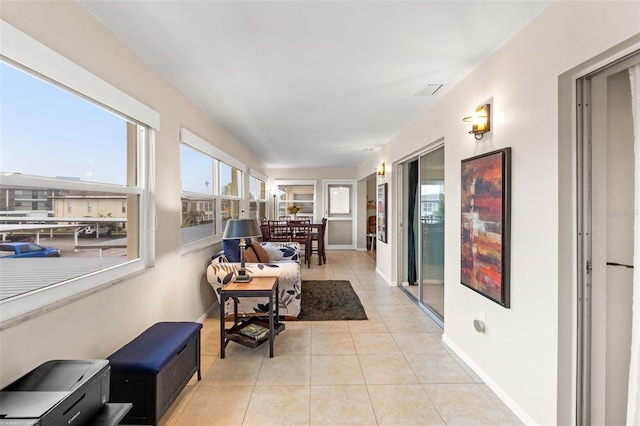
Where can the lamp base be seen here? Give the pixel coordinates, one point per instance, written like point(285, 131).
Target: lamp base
point(242, 278)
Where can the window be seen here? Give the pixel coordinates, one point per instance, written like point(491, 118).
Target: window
point(197, 171)
point(68, 163)
point(230, 191)
point(212, 187)
point(302, 195)
point(340, 200)
point(257, 198)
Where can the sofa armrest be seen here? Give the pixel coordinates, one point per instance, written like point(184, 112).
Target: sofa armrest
point(289, 280)
point(282, 251)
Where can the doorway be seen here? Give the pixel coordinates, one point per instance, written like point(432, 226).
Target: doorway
point(605, 242)
point(340, 232)
point(423, 234)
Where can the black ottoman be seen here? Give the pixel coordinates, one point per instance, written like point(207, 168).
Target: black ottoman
point(152, 369)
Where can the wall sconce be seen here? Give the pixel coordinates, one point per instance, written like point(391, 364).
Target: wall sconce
point(380, 170)
point(480, 121)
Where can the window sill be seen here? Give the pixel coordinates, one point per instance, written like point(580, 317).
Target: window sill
point(23, 307)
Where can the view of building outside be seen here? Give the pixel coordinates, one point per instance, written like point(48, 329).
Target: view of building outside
point(63, 178)
point(257, 198)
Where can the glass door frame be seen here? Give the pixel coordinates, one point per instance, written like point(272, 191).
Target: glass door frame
point(402, 272)
point(351, 217)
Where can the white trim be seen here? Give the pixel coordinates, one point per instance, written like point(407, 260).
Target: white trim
point(351, 218)
point(257, 174)
point(294, 182)
point(200, 144)
point(204, 243)
point(486, 378)
point(30, 53)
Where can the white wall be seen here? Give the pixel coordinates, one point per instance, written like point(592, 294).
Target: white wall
point(176, 289)
point(518, 354)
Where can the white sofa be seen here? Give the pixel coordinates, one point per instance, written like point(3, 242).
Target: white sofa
point(283, 263)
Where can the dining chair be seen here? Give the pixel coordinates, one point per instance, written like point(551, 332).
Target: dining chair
point(300, 232)
point(317, 241)
point(279, 231)
point(264, 229)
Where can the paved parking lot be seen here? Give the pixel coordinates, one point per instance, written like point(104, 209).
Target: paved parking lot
point(67, 246)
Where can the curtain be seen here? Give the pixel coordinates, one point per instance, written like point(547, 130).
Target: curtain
point(633, 402)
point(413, 195)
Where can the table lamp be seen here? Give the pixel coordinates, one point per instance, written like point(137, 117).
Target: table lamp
point(241, 229)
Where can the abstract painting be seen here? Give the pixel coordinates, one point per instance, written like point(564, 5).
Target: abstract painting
point(382, 212)
point(485, 227)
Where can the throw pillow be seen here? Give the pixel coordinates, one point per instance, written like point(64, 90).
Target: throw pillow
point(250, 255)
point(272, 251)
point(263, 257)
point(231, 249)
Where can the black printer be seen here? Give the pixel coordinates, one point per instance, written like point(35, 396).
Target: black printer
point(61, 392)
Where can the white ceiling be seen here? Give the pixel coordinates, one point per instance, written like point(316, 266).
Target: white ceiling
point(313, 83)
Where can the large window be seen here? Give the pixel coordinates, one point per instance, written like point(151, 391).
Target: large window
point(257, 198)
point(230, 193)
point(302, 195)
point(68, 166)
point(198, 202)
point(212, 187)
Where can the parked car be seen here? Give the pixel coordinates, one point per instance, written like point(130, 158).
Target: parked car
point(90, 231)
point(10, 250)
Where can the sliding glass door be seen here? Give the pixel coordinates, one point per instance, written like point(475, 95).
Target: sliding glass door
point(432, 231)
point(423, 231)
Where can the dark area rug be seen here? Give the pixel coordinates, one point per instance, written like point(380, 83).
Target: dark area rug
point(330, 301)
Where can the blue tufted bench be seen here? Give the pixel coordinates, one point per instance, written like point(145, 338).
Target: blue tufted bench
point(152, 369)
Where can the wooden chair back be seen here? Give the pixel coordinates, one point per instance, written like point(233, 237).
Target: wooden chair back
point(279, 230)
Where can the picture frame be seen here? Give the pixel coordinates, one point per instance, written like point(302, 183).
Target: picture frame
point(485, 251)
point(382, 212)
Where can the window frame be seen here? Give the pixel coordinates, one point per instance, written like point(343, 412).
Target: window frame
point(30, 56)
point(254, 174)
point(194, 141)
point(313, 183)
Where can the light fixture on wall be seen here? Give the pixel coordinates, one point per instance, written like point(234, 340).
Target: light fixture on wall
point(480, 121)
point(380, 170)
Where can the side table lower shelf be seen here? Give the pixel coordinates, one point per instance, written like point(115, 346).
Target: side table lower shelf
point(235, 335)
point(263, 287)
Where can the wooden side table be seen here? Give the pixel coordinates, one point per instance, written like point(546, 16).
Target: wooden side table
point(257, 287)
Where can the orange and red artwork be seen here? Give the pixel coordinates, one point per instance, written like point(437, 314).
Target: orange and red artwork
point(485, 208)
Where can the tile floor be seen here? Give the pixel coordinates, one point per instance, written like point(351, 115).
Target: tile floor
point(392, 369)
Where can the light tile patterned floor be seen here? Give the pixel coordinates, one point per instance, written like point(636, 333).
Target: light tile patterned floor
point(392, 369)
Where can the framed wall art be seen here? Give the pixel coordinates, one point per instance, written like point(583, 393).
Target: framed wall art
point(485, 228)
point(382, 212)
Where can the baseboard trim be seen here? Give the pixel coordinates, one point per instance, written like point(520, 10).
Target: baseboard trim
point(504, 396)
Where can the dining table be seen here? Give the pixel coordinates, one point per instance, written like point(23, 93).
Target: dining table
point(317, 234)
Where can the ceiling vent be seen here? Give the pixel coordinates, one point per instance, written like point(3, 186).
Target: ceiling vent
point(429, 89)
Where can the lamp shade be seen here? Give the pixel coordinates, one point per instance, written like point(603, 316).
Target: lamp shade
point(241, 228)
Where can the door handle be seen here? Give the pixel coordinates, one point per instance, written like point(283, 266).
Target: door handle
point(620, 264)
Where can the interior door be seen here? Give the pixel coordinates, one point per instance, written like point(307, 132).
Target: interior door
point(340, 197)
